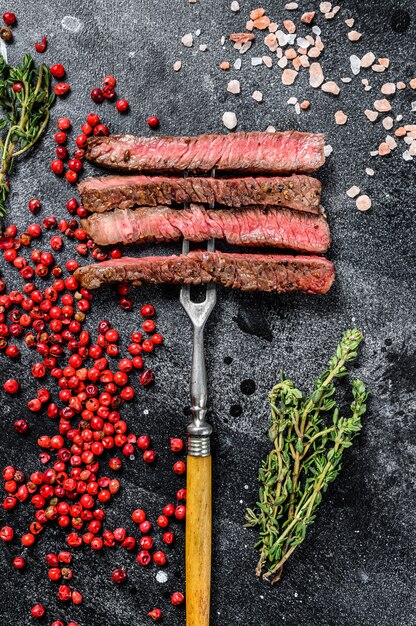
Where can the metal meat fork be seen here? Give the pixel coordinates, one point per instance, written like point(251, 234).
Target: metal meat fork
point(199, 472)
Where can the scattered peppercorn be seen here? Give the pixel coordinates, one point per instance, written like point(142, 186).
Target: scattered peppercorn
point(153, 121)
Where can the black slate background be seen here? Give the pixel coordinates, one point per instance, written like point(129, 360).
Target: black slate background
point(357, 566)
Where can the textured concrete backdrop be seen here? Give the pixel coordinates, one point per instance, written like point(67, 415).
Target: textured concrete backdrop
point(357, 566)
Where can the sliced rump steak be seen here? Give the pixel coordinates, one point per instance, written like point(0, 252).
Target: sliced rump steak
point(248, 272)
point(253, 153)
point(248, 226)
point(103, 193)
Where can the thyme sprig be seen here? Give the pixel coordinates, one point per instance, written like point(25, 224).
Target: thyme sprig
point(25, 114)
point(309, 437)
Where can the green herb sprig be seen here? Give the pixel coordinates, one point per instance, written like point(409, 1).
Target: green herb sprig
point(25, 114)
point(309, 437)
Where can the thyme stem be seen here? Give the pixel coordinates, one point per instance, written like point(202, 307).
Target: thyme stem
point(25, 114)
point(305, 459)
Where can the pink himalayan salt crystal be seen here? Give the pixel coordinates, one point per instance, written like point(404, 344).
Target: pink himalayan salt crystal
point(330, 87)
point(340, 118)
point(382, 105)
point(316, 75)
point(262, 22)
point(290, 26)
point(256, 13)
point(307, 18)
point(353, 191)
point(350, 22)
point(363, 203)
point(289, 76)
point(371, 115)
point(384, 149)
point(354, 35)
point(388, 89)
point(368, 59)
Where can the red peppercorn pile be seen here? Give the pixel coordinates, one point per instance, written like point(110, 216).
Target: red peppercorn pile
point(79, 378)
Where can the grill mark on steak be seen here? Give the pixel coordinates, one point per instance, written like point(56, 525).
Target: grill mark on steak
point(253, 152)
point(100, 194)
point(248, 226)
point(247, 272)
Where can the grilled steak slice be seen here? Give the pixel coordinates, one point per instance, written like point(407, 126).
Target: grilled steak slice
point(103, 193)
point(253, 153)
point(248, 272)
point(248, 226)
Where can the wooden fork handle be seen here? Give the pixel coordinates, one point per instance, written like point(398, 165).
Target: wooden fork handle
point(198, 539)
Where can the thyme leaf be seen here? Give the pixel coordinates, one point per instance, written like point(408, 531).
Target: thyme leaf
point(25, 114)
point(309, 437)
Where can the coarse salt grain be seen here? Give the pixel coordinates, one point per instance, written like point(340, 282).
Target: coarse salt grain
point(292, 100)
point(388, 123)
point(256, 61)
point(378, 68)
point(325, 7)
point(289, 76)
point(225, 65)
point(307, 17)
point(363, 203)
point(384, 149)
point(282, 38)
point(234, 86)
point(290, 26)
point(316, 75)
point(407, 156)
point(340, 118)
point(237, 64)
point(282, 62)
point(302, 42)
point(353, 191)
point(297, 108)
point(328, 149)
point(355, 63)
point(229, 120)
point(198, 32)
point(267, 61)
point(369, 171)
point(203, 47)
point(222, 40)
point(291, 6)
point(330, 87)
point(401, 85)
point(235, 6)
point(257, 96)
point(177, 66)
point(371, 115)
point(256, 13)
point(270, 129)
point(368, 59)
point(262, 23)
point(350, 22)
point(382, 105)
point(305, 105)
point(354, 35)
point(388, 89)
point(188, 40)
point(346, 79)
point(245, 47)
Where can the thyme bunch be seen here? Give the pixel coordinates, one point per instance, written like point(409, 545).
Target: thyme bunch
point(25, 114)
point(309, 437)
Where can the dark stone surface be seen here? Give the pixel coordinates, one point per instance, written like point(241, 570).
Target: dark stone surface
point(357, 566)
